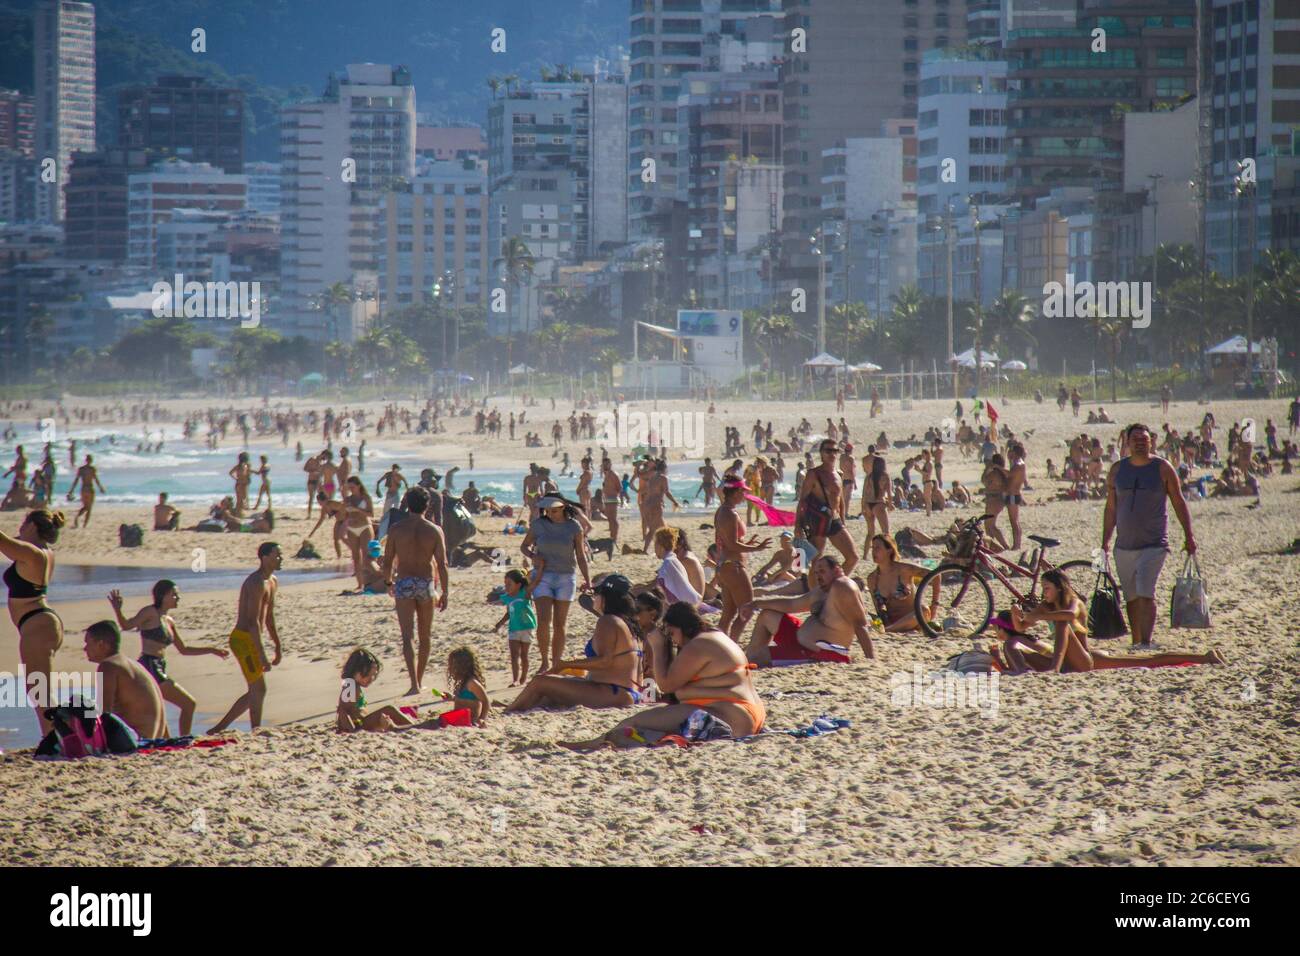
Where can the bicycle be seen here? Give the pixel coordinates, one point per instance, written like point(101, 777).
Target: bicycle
point(962, 596)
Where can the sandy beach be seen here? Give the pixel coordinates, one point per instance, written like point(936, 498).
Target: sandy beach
point(1175, 766)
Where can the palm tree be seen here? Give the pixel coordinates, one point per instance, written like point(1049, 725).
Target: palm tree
point(494, 84)
point(518, 263)
point(1008, 321)
point(1112, 330)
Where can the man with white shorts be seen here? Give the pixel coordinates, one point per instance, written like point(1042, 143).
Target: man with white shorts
point(1137, 488)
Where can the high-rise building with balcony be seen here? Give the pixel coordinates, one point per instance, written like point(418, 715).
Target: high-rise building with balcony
point(434, 226)
point(1252, 94)
point(729, 123)
point(670, 39)
point(153, 196)
point(64, 57)
point(861, 67)
point(186, 117)
point(961, 128)
point(339, 155)
point(96, 224)
point(557, 157)
point(17, 123)
point(1066, 103)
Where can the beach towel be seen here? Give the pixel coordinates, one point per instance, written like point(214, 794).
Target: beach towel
point(787, 651)
point(823, 725)
point(172, 744)
point(775, 516)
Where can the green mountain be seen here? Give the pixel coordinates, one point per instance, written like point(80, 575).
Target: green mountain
point(278, 50)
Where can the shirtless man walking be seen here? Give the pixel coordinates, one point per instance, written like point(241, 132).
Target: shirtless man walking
point(610, 489)
point(820, 516)
point(256, 613)
point(129, 691)
point(88, 476)
point(838, 615)
point(413, 549)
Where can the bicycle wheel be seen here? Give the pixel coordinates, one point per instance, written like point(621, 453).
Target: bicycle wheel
point(1079, 572)
point(965, 601)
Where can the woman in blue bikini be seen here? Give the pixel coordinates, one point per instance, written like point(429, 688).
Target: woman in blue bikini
point(613, 660)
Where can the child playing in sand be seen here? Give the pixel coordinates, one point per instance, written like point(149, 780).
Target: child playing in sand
point(469, 686)
point(522, 620)
point(359, 672)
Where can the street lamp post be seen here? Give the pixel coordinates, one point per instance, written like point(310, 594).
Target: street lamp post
point(818, 243)
point(1245, 189)
point(978, 304)
point(952, 346)
point(1155, 239)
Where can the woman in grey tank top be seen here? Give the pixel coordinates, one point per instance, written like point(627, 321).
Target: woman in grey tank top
point(555, 545)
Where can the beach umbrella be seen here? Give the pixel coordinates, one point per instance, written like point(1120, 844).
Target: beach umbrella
point(312, 378)
point(1015, 365)
point(865, 367)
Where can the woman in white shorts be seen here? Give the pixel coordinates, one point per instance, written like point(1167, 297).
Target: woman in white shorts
point(555, 541)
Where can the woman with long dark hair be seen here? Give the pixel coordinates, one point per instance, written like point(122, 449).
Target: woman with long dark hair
point(40, 630)
point(612, 660)
point(157, 633)
point(705, 669)
point(1068, 615)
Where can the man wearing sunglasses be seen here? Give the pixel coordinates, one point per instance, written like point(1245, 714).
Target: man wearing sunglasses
point(820, 515)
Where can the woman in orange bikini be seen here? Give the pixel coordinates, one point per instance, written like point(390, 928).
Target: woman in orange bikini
point(705, 669)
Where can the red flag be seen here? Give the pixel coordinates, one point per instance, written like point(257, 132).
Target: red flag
point(993, 413)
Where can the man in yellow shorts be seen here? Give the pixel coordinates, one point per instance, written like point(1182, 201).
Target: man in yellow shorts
point(256, 612)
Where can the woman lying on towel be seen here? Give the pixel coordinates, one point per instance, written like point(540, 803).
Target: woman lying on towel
point(705, 669)
point(1068, 615)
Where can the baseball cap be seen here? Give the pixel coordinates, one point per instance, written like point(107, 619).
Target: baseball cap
point(550, 501)
point(613, 584)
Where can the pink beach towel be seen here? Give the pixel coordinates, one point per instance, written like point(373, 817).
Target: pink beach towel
point(775, 516)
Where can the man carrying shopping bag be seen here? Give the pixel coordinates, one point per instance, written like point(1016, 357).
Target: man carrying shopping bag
point(1137, 488)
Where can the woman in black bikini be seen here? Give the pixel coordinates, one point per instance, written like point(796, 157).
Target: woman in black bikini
point(891, 585)
point(40, 630)
point(612, 662)
point(157, 633)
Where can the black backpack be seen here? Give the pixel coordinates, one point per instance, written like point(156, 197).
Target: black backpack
point(130, 535)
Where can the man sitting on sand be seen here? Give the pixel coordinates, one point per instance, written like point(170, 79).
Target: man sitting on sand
point(838, 616)
point(130, 691)
point(165, 517)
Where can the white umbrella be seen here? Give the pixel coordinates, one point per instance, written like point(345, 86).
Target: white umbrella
point(865, 367)
point(1015, 365)
point(824, 360)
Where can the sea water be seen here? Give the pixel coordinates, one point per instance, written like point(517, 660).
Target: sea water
point(195, 476)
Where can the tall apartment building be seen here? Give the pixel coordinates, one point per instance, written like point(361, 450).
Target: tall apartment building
point(64, 58)
point(670, 39)
point(153, 195)
point(434, 226)
point(186, 117)
point(363, 126)
point(559, 144)
point(1252, 90)
point(862, 66)
point(17, 123)
point(963, 119)
point(1066, 104)
point(96, 223)
point(263, 187)
point(728, 122)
